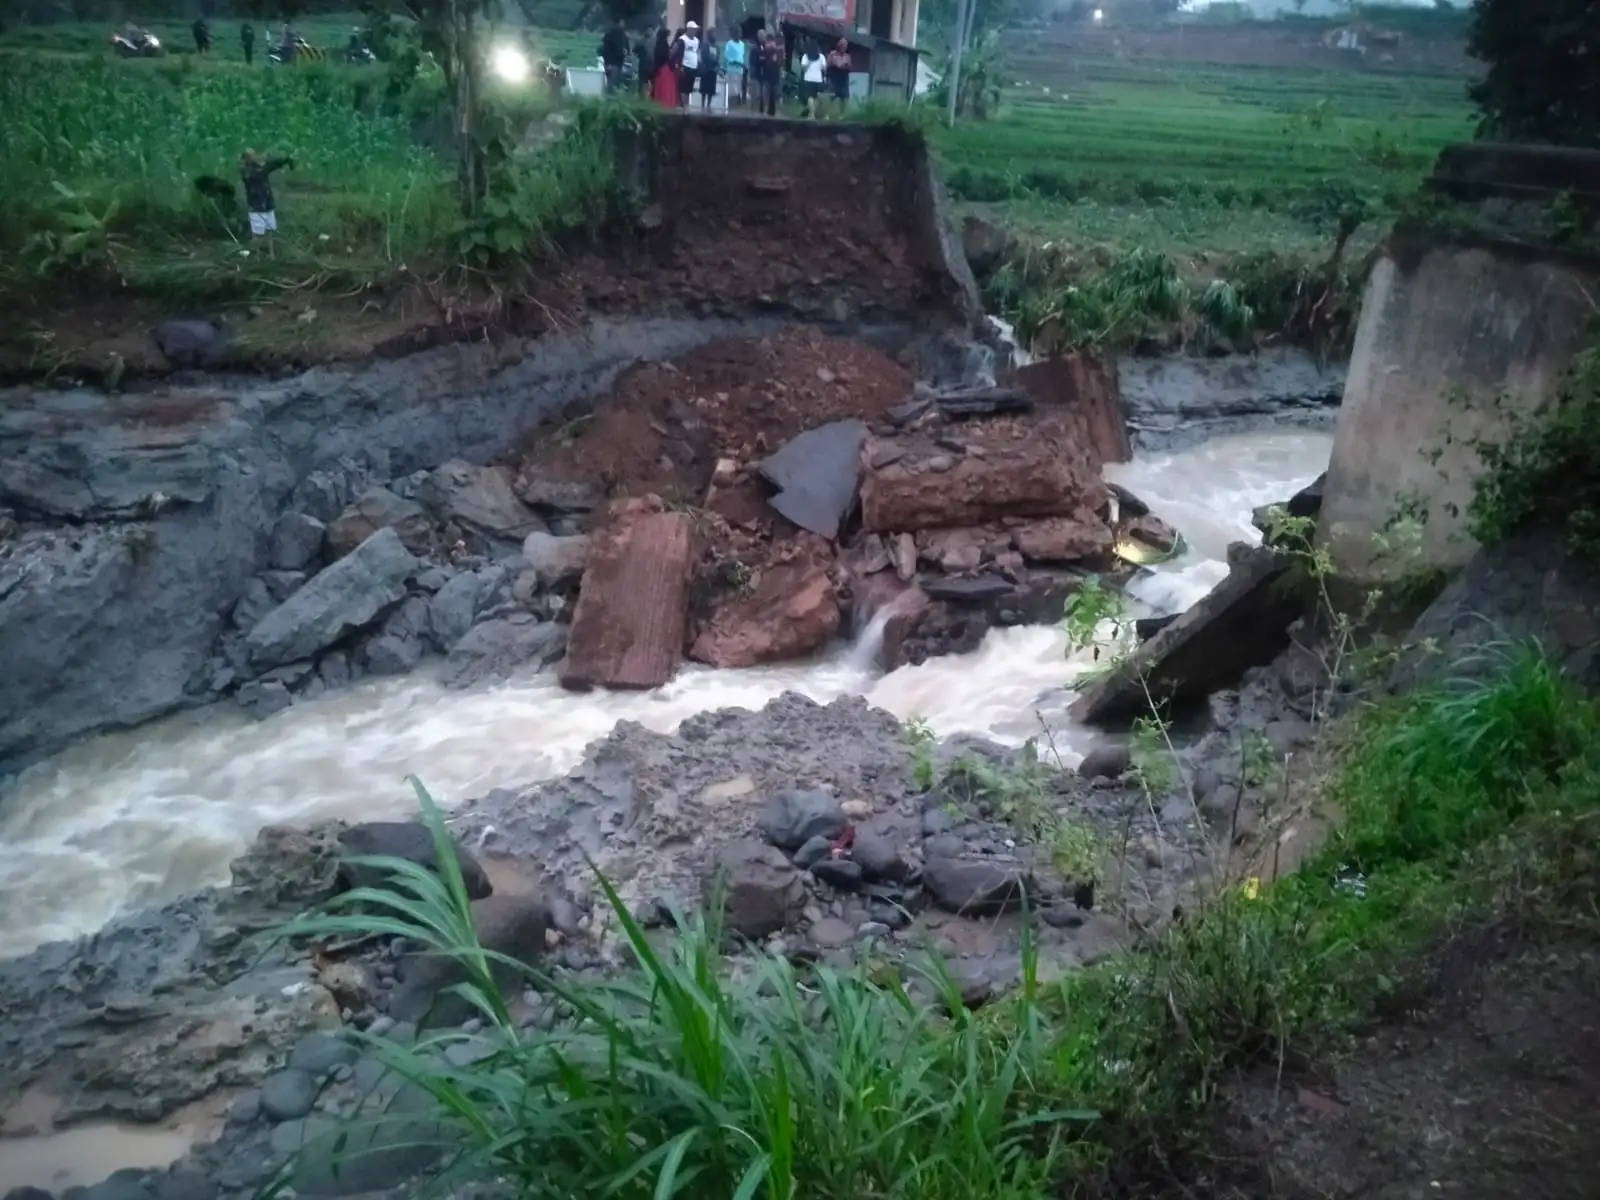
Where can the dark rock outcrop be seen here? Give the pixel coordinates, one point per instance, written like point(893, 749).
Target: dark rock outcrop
point(338, 599)
point(1241, 623)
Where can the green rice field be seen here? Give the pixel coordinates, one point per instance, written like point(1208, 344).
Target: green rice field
point(1237, 136)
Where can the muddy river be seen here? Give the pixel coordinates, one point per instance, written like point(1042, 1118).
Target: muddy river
point(135, 818)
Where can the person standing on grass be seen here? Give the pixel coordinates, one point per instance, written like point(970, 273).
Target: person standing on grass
point(247, 42)
point(733, 62)
point(839, 72)
point(770, 58)
point(710, 71)
point(665, 88)
point(614, 54)
point(688, 62)
point(202, 36)
point(813, 72)
point(256, 172)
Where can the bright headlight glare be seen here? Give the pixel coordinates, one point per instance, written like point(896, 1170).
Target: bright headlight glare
point(510, 64)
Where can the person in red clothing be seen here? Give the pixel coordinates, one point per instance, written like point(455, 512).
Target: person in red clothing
point(665, 88)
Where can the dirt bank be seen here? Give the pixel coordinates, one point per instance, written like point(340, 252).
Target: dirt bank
point(1482, 1082)
point(737, 223)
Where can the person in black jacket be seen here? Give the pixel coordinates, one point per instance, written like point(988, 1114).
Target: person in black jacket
point(247, 40)
point(256, 172)
point(614, 53)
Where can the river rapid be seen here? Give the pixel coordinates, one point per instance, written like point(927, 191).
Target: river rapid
point(135, 818)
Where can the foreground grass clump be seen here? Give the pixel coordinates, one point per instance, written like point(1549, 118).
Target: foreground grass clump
point(692, 1076)
point(679, 1079)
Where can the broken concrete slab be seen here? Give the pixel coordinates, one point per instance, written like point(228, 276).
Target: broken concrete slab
point(817, 475)
point(967, 403)
point(1086, 388)
point(967, 591)
point(629, 623)
point(1242, 623)
point(1005, 474)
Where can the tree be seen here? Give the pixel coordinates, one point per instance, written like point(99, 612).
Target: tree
point(1543, 82)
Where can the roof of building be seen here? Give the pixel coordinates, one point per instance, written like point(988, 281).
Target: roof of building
point(836, 29)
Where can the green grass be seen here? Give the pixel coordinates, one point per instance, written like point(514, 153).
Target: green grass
point(1232, 173)
point(1242, 138)
point(92, 39)
point(681, 1076)
point(99, 167)
point(99, 163)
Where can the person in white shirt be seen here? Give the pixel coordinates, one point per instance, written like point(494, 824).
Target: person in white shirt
point(813, 69)
point(688, 62)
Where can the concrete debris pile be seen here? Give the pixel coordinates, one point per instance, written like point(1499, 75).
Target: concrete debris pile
point(1243, 623)
point(818, 494)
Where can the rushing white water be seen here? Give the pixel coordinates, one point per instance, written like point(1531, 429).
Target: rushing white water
point(137, 817)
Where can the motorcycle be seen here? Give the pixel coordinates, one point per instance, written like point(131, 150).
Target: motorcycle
point(135, 43)
point(359, 56)
point(303, 51)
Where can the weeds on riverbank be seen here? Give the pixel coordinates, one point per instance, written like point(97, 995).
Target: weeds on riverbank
point(690, 1075)
point(1058, 297)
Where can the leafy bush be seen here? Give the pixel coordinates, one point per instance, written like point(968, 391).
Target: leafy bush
point(1541, 84)
point(1548, 468)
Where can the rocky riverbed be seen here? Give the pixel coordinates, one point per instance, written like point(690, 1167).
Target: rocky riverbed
point(166, 549)
point(269, 543)
point(837, 838)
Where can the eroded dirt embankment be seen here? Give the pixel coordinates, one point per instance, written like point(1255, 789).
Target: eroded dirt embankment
point(842, 226)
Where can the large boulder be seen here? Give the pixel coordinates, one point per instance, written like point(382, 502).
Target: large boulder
point(379, 508)
point(499, 649)
point(760, 888)
point(557, 562)
point(479, 500)
point(792, 611)
point(510, 925)
point(343, 597)
point(977, 887)
point(792, 817)
point(408, 840)
point(296, 541)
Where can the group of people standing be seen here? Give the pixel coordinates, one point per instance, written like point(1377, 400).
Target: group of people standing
point(674, 67)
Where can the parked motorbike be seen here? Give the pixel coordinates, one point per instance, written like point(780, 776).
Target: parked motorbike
point(135, 43)
point(303, 51)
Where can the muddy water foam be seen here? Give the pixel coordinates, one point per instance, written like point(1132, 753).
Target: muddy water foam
point(135, 818)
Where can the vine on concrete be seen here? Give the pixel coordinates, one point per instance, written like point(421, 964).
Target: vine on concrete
point(1548, 470)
